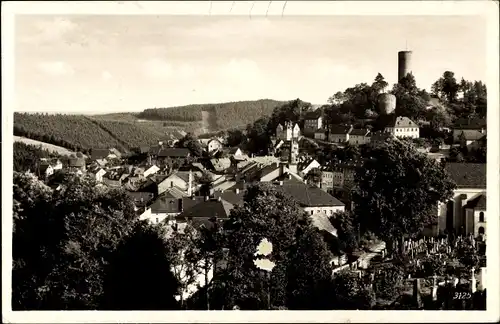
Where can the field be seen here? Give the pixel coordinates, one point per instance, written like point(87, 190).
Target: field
point(45, 146)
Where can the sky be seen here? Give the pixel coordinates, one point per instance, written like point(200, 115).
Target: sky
point(104, 63)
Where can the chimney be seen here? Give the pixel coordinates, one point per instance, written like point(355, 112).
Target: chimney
point(181, 205)
point(281, 183)
point(237, 190)
point(218, 198)
point(289, 177)
point(193, 197)
point(207, 198)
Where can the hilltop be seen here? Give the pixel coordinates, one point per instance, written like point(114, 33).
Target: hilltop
point(127, 130)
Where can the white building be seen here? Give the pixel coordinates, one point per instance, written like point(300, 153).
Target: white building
point(462, 213)
point(403, 127)
point(359, 136)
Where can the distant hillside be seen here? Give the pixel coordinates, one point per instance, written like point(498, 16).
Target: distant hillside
point(220, 116)
point(128, 130)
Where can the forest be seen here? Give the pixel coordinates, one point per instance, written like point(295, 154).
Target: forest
point(27, 157)
point(227, 115)
point(74, 132)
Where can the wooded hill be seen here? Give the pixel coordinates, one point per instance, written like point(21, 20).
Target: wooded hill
point(127, 130)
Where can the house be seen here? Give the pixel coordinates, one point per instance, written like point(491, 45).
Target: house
point(105, 154)
point(471, 124)
point(379, 137)
point(359, 136)
point(309, 165)
point(402, 127)
point(164, 209)
point(287, 132)
point(140, 199)
point(312, 199)
point(272, 172)
point(236, 153)
point(48, 167)
point(470, 179)
point(220, 165)
point(180, 179)
point(98, 173)
point(477, 144)
point(151, 170)
point(469, 136)
point(173, 153)
point(320, 134)
point(214, 145)
point(313, 120)
point(475, 216)
point(234, 196)
point(206, 213)
point(339, 133)
point(76, 164)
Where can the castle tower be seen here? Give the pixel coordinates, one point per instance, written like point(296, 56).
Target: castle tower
point(404, 63)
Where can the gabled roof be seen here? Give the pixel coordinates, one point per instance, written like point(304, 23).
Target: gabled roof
point(231, 196)
point(207, 209)
point(99, 153)
point(467, 175)
point(173, 192)
point(470, 123)
point(360, 131)
point(140, 199)
point(471, 134)
point(233, 150)
point(221, 164)
point(478, 203)
point(166, 205)
point(401, 122)
point(339, 130)
point(173, 152)
point(77, 162)
point(309, 196)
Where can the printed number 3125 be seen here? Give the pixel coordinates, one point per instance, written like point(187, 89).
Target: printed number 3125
point(462, 295)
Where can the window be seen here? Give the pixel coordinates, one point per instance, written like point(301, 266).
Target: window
point(481, 230)
point(481, 217)
point(312, 212)
point(157, 219)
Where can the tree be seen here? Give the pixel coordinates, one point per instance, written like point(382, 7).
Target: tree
point(205, 180)
point(337, 99)
point(446, 87)
point(138, 276)
point(350, 292)
point(291, 111)
point(398, 190)
point(235, 137)
point(258, 135)
point(347, 233)
point(409, 101)
point(270, 213)
point(314, 175)
point(309, 279)
point(379, 84)
point(63, 240)
point(190, 141)
point(389, 282)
